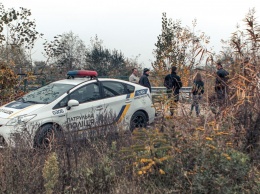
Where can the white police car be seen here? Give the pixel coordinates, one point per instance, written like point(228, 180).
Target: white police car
point(75, 104)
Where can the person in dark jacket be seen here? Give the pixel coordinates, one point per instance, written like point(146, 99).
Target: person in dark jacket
point(197, 91)
point(221, 82)
point(173, 84)
point(144, 81)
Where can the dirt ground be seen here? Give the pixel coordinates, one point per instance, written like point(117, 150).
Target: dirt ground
point(183, 109)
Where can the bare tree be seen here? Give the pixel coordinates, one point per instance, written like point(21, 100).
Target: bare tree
point(18, 35)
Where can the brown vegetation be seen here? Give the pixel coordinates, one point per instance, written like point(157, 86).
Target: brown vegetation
point(215, 153)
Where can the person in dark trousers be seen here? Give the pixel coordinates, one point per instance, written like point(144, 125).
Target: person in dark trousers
point(144, 81)
point(221, 83)
point(173, 84)
point(197, 91)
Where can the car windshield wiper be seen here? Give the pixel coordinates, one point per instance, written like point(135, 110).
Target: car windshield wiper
point(33, 102)
point(21, 99)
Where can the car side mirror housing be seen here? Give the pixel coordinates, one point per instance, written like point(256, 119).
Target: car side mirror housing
point(72, 103)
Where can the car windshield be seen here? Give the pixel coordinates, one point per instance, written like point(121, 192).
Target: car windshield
point(46, 94)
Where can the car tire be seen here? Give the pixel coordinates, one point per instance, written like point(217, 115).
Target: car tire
point(46, 134)
point(138, 120)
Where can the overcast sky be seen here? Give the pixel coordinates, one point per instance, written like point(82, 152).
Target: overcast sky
point(132, 26)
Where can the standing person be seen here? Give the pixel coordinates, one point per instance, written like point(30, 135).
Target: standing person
point(134, 76)
point(173, 84)
point(197, 91)
point(144, 81)
point(221, 85)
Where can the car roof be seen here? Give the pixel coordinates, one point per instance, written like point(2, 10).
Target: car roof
point(77, 81)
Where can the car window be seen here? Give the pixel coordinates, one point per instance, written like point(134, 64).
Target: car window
point(84, 94)
point(87, 93)
point(129, 88)
point(62, 103)
point(112, 89)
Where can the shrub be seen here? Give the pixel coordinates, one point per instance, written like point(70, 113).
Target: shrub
point(50, 172)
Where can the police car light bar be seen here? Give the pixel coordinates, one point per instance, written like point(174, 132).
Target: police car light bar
point(81, 73)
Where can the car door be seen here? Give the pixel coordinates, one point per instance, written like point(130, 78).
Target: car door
point(117, 101)
point(86, 114)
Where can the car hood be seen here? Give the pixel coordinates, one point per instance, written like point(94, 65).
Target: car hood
point(16, 108)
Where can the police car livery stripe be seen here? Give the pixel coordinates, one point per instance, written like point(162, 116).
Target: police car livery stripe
point(124, 108)
point(132, 95)
point(118, 118)
point(123, 113)
point(140, 92)
point(19, 105)
point(20, 111)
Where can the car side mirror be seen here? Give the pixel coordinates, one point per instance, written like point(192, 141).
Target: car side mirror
point(72, 103)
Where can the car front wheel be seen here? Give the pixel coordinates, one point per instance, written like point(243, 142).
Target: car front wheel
point(47, 134)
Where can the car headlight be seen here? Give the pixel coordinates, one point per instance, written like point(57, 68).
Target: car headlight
point(20, 120)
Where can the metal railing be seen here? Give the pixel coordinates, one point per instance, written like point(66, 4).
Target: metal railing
point(163, 90)
point(185, 92)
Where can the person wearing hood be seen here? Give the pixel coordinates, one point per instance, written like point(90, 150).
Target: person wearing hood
point(144, 81)
point(173, 84)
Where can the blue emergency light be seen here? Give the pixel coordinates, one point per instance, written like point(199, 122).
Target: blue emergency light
point(81, 73)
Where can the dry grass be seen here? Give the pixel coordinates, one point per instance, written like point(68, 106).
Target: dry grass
point(203, 155)
point(214, 153)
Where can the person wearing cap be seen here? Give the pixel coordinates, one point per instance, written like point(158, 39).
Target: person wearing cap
point(133, 77)
point(144, 81)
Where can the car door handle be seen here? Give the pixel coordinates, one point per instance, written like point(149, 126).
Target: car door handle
point(128, 101)
point(99, 108)
point(61, 115)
